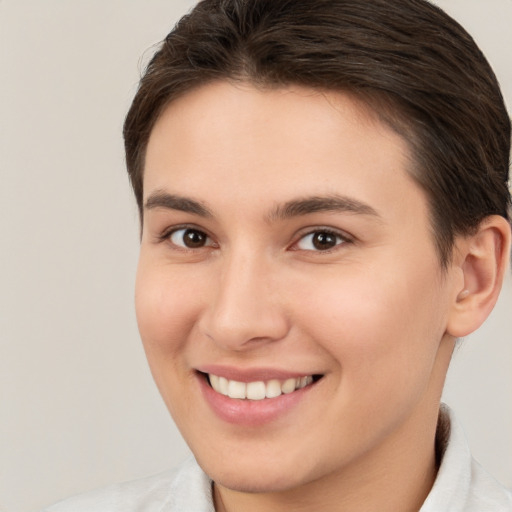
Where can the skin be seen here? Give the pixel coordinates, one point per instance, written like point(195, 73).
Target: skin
point(372, 314)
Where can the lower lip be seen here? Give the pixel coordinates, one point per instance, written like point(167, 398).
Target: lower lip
point(251, 412)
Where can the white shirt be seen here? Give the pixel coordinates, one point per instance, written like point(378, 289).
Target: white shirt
point(461, 485)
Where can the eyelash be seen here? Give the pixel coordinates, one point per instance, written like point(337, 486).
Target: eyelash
point(167, 236)
point(341, 238)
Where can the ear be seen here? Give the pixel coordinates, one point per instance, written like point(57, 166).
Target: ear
point(483, 259)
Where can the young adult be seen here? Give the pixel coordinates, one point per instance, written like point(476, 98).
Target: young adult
point(324, 203)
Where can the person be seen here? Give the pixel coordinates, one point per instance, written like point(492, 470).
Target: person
point(324, 205)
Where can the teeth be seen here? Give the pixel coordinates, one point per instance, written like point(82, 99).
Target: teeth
point(236, 389)
point(223, 386)
point(289, 386)
point(273, 389)
point(257, 390)
point(214, 381)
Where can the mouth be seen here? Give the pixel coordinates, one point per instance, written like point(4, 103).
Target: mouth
point(258, 390)
point(257, 396)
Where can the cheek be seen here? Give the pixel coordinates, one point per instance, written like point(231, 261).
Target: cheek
point(380, 328)
point(166, 303)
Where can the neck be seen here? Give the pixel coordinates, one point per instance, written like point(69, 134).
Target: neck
point(398, 477)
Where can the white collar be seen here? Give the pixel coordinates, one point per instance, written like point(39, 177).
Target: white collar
point(461, 484)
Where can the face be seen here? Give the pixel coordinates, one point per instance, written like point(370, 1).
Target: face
point(287, 257)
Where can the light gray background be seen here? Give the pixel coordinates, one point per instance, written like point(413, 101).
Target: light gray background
point(78, 408)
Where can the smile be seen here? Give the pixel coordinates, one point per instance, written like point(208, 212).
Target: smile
point(257, 396)
point(257, 390)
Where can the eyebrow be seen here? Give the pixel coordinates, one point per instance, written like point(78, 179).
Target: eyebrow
point(161, 199)
point(294, 208)
point(331, 203)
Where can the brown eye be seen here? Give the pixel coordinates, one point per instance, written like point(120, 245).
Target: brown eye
point(320, 241)
point(190, 238)
point(323, 241)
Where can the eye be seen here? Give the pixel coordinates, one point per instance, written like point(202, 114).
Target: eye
point(190, 238)
point(320, 240)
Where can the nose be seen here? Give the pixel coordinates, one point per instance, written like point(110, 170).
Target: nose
point(246, 310)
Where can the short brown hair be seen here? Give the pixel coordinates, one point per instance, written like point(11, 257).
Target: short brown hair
point(416, 67)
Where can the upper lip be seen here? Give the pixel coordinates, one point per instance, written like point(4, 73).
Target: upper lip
point(251, 374)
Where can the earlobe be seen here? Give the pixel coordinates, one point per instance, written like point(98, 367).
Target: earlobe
point(483, 260)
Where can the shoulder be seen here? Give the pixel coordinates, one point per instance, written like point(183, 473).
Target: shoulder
point(187, 488)
point(462, 485)
point(143, 494)
point(486, 493)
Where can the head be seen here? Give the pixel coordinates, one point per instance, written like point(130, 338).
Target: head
point(323, 194)
point(413, 65)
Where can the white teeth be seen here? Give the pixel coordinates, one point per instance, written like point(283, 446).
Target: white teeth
point(288, 386)
point(236, 389)
point(214, 381)
point(273, 389)
point(306, 381)
point(223, 386)
point(257, 390)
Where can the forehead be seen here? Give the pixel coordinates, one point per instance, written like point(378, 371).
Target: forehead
point(271, 145)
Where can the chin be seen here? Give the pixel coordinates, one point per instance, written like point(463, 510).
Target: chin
point(251, 479)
